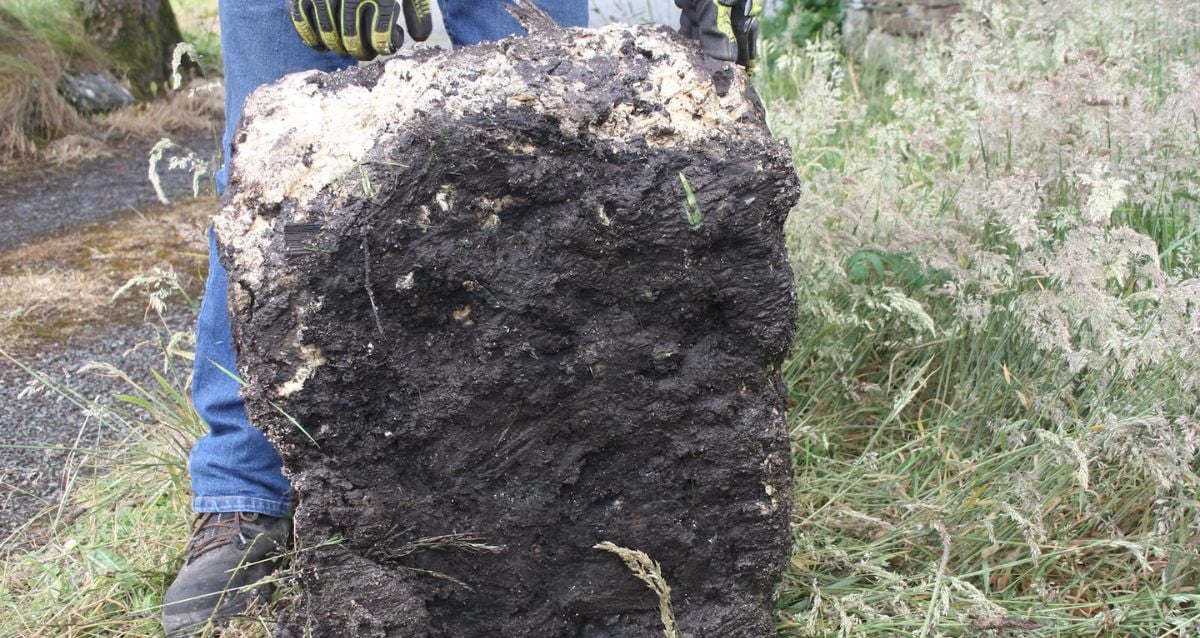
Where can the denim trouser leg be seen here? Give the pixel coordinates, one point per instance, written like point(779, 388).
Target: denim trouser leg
point(474, 21)
point(234, 468)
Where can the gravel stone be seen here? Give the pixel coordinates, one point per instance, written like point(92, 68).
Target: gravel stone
point(40, 426)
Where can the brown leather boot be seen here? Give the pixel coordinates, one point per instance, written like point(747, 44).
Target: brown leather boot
point(230, 559)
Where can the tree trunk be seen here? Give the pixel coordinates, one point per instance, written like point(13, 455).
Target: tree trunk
point(501, 305)
point(138, 36)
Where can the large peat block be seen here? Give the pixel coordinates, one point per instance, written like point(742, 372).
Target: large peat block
point(470, 280)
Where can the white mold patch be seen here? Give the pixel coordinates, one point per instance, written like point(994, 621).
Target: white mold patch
point(313, 359)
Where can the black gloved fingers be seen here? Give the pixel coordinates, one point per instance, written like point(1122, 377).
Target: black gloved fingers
point(746, 28)
point(418, 17)
point(369, 28)
point(706, 16)
point(329, 25)
point(688, 27)
point(304, 19)
point(727, 29)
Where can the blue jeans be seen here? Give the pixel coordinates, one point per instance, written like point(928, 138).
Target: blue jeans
point(234, 468)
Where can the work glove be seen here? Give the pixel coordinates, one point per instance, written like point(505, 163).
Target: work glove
point(361, 28)
point(727, 29)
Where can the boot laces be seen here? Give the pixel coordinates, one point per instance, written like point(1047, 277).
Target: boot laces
point(213, 530)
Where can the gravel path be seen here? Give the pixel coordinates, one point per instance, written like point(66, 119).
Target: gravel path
point(38, 426)
point(37, 423)
point(40, 200)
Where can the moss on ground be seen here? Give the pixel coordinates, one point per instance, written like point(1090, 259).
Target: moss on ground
point(63, 286)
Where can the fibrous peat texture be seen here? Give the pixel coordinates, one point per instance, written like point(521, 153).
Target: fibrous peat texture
point(475, 318)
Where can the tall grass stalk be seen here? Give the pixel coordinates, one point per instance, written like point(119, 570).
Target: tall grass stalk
point(995, 422)
point(96, 565)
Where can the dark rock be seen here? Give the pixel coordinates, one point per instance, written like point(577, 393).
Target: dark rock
point(92, 93)
point(477, 322)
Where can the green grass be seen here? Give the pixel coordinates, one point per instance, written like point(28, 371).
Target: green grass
point(959, 471)
point(98, 564)
point(58, 23)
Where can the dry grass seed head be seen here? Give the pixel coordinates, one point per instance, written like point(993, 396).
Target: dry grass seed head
point(649, 572)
